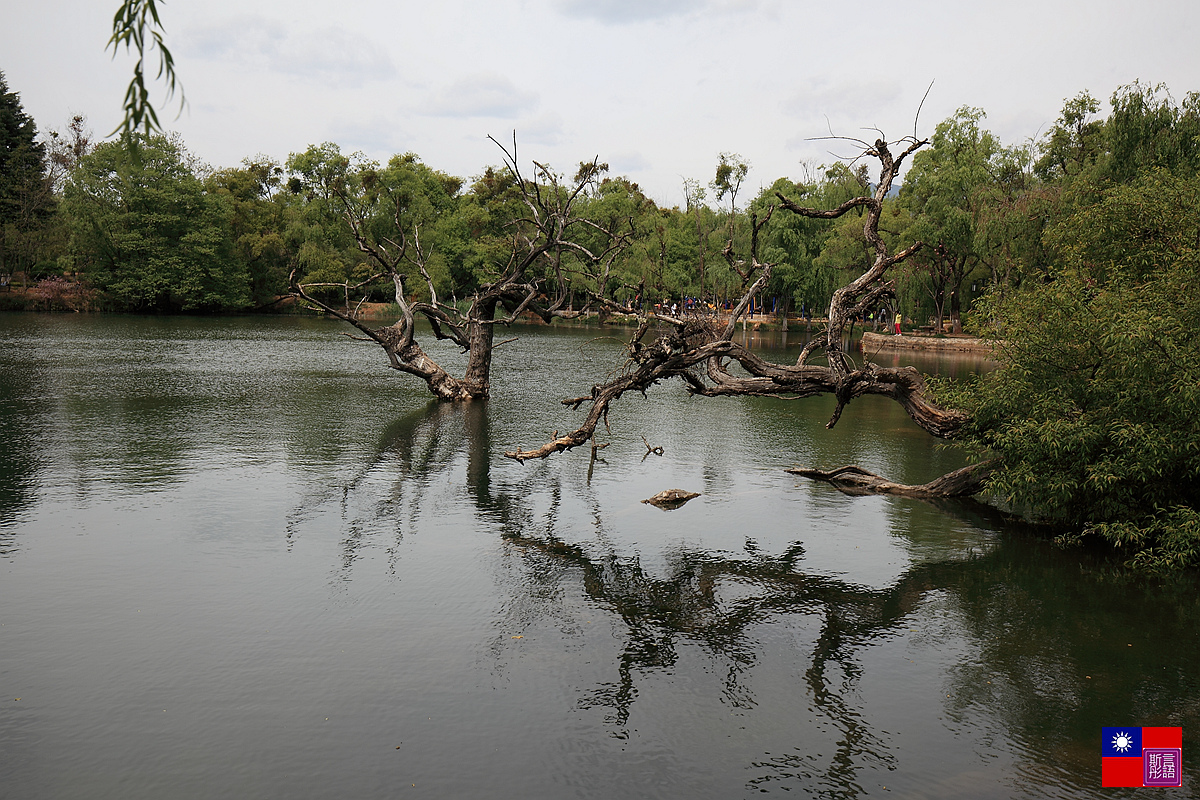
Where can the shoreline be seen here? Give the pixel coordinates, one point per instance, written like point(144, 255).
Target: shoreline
point(913, 341)
point(20, 302)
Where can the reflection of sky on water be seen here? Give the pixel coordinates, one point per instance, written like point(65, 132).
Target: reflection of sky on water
point(333, 585)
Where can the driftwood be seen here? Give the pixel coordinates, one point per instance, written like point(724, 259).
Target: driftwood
point(855, 480)
point(671, 498)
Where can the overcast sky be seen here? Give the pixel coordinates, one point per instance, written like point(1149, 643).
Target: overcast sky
point(657, 88)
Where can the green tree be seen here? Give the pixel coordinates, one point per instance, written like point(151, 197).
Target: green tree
point(731, 171)
point(480, 228)
point(146, 233)
point(1014, 211)
point(1075, 143)
point(257, 216)
point(386, 211)
point(841, 248)
point(1095, 413)
point(1147, 130)
point(326, 257)
point(359, 207)
point(26, 199)
point(944, 193)
point(651, 264)
point(807, 253)
point(1133, 231)
point(694, 195)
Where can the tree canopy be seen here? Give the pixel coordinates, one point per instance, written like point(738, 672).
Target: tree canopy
point(145, 232)
point(1093, 413)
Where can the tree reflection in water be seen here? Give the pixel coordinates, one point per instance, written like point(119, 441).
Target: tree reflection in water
point(1034, 622)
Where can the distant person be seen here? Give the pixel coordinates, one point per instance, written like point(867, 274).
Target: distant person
point(899, 319)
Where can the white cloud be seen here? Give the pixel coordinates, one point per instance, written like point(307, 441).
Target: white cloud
point(544, 129)
point(240, 39)
point(628, 162)
point(837, 99)
point(624, 12)
point(257, 46)
point(673, 82)
point(620, 12)
point(376, 135)
point(334, 53)
point(485, 95)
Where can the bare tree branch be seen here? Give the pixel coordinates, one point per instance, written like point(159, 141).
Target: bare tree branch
point(687, 344)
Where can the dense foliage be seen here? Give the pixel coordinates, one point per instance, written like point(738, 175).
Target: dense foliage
point(1094, 414)
point(145, 232)
point(1096, 411)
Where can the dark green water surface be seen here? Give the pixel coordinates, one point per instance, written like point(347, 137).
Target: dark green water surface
point(240, 558)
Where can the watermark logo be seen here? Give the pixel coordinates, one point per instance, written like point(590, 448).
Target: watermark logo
point(1141, 756)
point(1161, 766)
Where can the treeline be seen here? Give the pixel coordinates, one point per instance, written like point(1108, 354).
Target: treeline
point(139, 224)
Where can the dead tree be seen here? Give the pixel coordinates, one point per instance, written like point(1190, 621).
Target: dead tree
point(698, 351)
point(541, 241)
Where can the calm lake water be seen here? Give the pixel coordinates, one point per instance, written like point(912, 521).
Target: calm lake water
point(242, 558)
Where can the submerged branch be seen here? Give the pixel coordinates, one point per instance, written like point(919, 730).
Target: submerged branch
point(855, 480)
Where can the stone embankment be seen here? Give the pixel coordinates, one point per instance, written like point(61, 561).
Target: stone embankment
point(950, 343)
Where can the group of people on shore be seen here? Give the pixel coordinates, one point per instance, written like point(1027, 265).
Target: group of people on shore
point(693, 305)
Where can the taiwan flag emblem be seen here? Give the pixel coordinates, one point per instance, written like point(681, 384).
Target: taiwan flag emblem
point(1141, 756)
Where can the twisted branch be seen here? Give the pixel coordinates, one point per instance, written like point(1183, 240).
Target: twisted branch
point(684, 344)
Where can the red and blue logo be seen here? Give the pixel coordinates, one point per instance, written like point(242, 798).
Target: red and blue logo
point(1141, 756)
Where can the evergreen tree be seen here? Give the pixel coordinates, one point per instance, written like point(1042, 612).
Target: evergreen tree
point(25, 200)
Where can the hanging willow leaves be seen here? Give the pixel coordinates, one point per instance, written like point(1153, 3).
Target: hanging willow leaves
point(137, 26)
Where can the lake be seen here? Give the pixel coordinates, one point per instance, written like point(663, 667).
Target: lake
point(240, 557)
